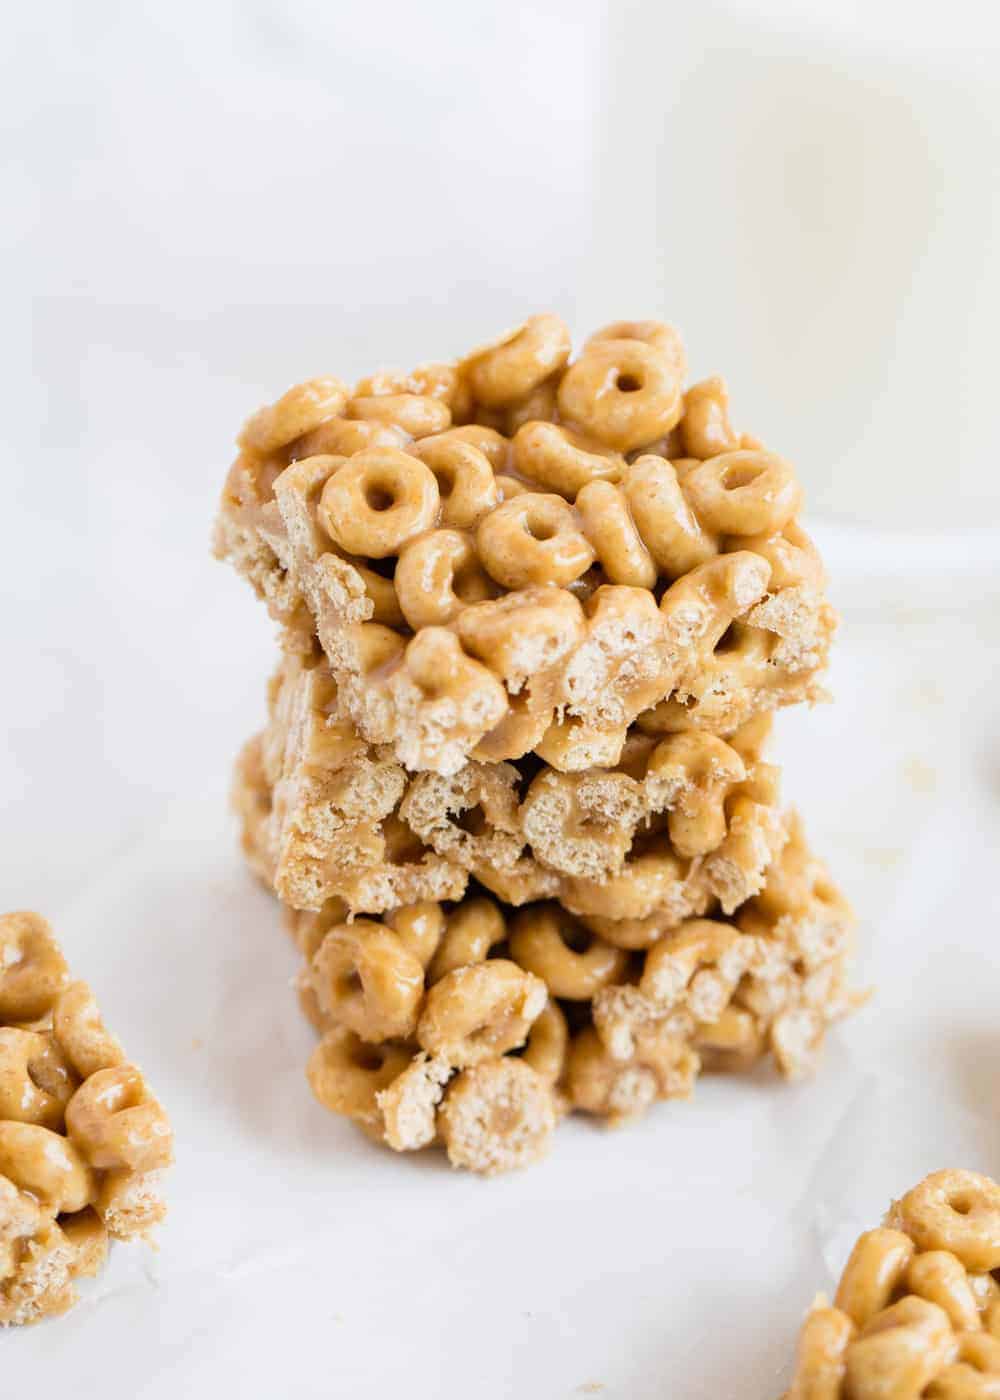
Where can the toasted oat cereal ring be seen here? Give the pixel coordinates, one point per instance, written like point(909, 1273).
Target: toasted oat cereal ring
point(608, 525)
point(477, 1012)
point(537, 407)
point(492, 444)
point(129, 1203)
point(794, 559)
point(700, 963)
point(508, 369)
point(343, 437)
point(533, 539)
point(474, 928)
point(743, 493)
point(648, 883)
point(572, 962)
point(465, 479)
point(954, 1210)
point(522, 727)
point(523, 634)
point(821, 1359)
point(497, 1116)
point(366, 979)
point(548, 1043)
point(665, 522)
point(379, 499)
point(581, 823)
point(623, 392)
point(36, 1080)
point(32, 969)
point(875, 1270)
point(571, 745)
point(346, 1073)
point(438, 575)
point(902, 1347)
point(409, 1105)
point(940, 1278)
point(116, 1123)
point(420, 415)
point(563, 459)
point(436, 664)
point(705, 429)
point(662, 1067)
point(47, 1166)
point(694, 772)
point(81, 1032)
point(632, 934)
point(700, 606)
point(298, 411)
point(419, 927)
point(437, 380)
point(656, 334)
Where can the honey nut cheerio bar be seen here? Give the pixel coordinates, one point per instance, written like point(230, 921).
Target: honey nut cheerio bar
point(83, 1142)
point(519, 553)
point(681, 822)
point(917, 1309)
point(475, 1026)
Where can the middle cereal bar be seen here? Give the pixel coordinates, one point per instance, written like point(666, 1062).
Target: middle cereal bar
point(684, 823)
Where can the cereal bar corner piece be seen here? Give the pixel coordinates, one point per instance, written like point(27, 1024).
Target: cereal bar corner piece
point(522, 553)
point(83, 1142)
point(917, 1309)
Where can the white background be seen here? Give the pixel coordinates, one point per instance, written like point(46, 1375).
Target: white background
point(204, 203)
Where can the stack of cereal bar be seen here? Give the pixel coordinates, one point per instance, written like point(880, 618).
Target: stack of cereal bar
point(536, 614)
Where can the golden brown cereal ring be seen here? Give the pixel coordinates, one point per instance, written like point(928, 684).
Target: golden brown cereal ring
point(436, 665)
point(548, 1043)
point(298, 411)
point(493, 445)
point(82, 1033)
point(663, 1067)
point(366, 979)
point(129, 1203)
point(36, 1081)
point(877, 1266)
point(342, 437)
point(904, 1346)
point(473, 929)
point(572, 962)
point(700, 606)
point(47, 1166)
point(705, 429)
point(975, 1374)
point(571, 745)
point(464, 474)
point(497, 1116)
point(623, 392)
point(377, 501)
point(438, 575)
point(656, 334)
point(608, 525)
point(437, 380)
point(581, 824)
point(420, 415)
point(743, 493)
point(563, 459)
point(650, 882)
point(940, 1278)
point(522, 727)
point(954, 1210)
point(692, 773)
point(794, 559)
point(663, 517)
point(523, 634)
point(507, 370)
point(115, 1122)
point(32, 969)
point(533, 539)
point(346, 1074)
point(409, 1105)
point(419, 927)
point(478, 1012)
point(633, 934)
point(538, 406)
point(821, 1360)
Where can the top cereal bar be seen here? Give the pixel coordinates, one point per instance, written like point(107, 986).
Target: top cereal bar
point(517, 553)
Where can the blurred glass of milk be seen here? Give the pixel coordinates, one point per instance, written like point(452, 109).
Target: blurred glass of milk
point(814, 200)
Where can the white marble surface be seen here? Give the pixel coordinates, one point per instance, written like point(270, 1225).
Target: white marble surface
point(205, 207)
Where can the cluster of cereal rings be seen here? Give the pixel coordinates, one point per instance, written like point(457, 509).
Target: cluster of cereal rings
point(82, 1139)
point(917, 1310)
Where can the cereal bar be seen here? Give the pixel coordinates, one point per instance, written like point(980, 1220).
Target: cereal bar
point(475, 1026)
point(519, 554)
point(682, 821)
point(917, 1309)
point(83, 1142)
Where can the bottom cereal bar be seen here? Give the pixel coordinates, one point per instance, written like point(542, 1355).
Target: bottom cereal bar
point(82, 1140)
point(475, 1026)
point(917, 1310)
